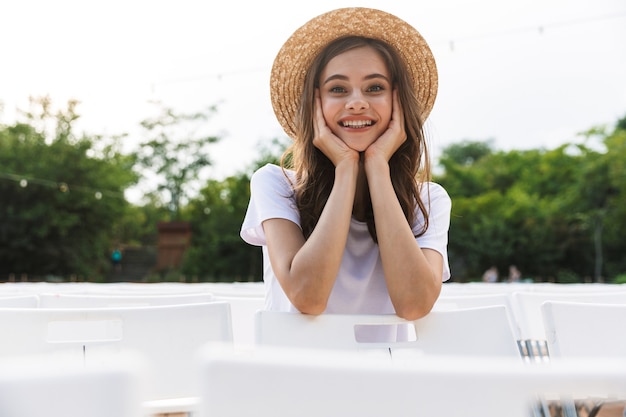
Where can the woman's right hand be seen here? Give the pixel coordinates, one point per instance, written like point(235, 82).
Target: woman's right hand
point(326, 141)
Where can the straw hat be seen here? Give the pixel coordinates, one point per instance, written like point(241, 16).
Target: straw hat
point(296, 55)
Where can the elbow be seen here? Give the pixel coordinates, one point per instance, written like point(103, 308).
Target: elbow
point(314, 310)
point(309, 305)
point(413, 308)
point(413, 312)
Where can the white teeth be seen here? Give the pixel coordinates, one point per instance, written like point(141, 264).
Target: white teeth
point(357, 123)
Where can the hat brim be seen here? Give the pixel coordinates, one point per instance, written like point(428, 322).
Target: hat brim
point(296, 55)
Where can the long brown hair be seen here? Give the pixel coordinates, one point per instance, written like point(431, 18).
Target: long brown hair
point(315, 173)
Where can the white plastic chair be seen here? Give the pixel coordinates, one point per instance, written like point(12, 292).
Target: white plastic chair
point(585, 330)
point(234, 289)
point(166, 336)
point(575, 329)
point(484, 331)
point(243, 310)
point(20, 301)
point(75, 300)
point(155, 288)
point(468, 332)
point(25, 288)
point(32, 387)
point(458, 301)
point(527, 310)
point(283, 382)
point(478, 288)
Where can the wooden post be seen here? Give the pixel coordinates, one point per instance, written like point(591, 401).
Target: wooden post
point(173, 241)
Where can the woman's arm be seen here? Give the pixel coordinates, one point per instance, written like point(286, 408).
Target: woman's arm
point(307, 269)
point(413, 275)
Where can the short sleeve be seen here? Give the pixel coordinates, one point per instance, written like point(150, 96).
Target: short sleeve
point(271, 196)
point(439, 205)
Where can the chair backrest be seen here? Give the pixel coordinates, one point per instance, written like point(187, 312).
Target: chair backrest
point(585, 329)
point(74, 300)
point(166, 336)
point(19, 301)
point(234, 289)
point(476, 288)
point(31, 387)
point(457, 301)
point(484, 331)
point(243, 310)
point(282, 382)
point(527, 307)
point(138, 288)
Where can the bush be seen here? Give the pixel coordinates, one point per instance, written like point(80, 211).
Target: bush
point(565, 276)
point(620, 279)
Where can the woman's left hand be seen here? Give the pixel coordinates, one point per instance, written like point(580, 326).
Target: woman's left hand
point(389, 142)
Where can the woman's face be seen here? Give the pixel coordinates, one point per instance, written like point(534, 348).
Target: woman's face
point(356, 96)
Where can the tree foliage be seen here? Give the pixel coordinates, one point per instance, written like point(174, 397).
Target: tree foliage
point(217, 252)
point(175, 152)
point(553, 213)
point(61, 195)
point(558, 214)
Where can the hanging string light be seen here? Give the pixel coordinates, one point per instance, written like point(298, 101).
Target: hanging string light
point(63, 187)
point(541, 29)
point(451, 43)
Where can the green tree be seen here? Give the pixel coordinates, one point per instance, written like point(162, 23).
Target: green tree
point(467, 152)
point(507, 210)
point(601, 185)
point(218, 253)
point(175, 153)
point(62, 195)
point(615, 219)
point(555, 213)
point(138, 225)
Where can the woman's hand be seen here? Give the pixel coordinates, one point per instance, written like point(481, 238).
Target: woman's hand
point(389, 142)
point(326, 141)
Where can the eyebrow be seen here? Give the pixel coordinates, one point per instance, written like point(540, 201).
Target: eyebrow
point(345, 78)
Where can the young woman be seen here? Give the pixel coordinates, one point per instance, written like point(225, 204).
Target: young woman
point(350, 223)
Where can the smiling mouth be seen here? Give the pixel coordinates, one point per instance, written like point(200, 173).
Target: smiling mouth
point(357, 124)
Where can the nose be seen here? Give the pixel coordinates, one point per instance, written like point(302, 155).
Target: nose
point(356, 102)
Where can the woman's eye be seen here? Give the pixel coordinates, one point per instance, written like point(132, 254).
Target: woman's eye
point(337, 90)
point(376, 88)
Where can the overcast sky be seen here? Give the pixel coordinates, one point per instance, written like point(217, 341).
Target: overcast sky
point(526, 74)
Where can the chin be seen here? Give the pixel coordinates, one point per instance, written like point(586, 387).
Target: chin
point(359, 146)
point(359, 149)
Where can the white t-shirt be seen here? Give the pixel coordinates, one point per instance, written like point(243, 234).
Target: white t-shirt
point(360, 285)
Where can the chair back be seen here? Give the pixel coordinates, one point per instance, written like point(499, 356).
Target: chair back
point(19, 301)
point(585, 329)
point(283, 382)
point(457, 301)
point(482, 331)
point(166, 336)
point(31, 387)
point(527, 307)
point(243, 310)
point(75, 300)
